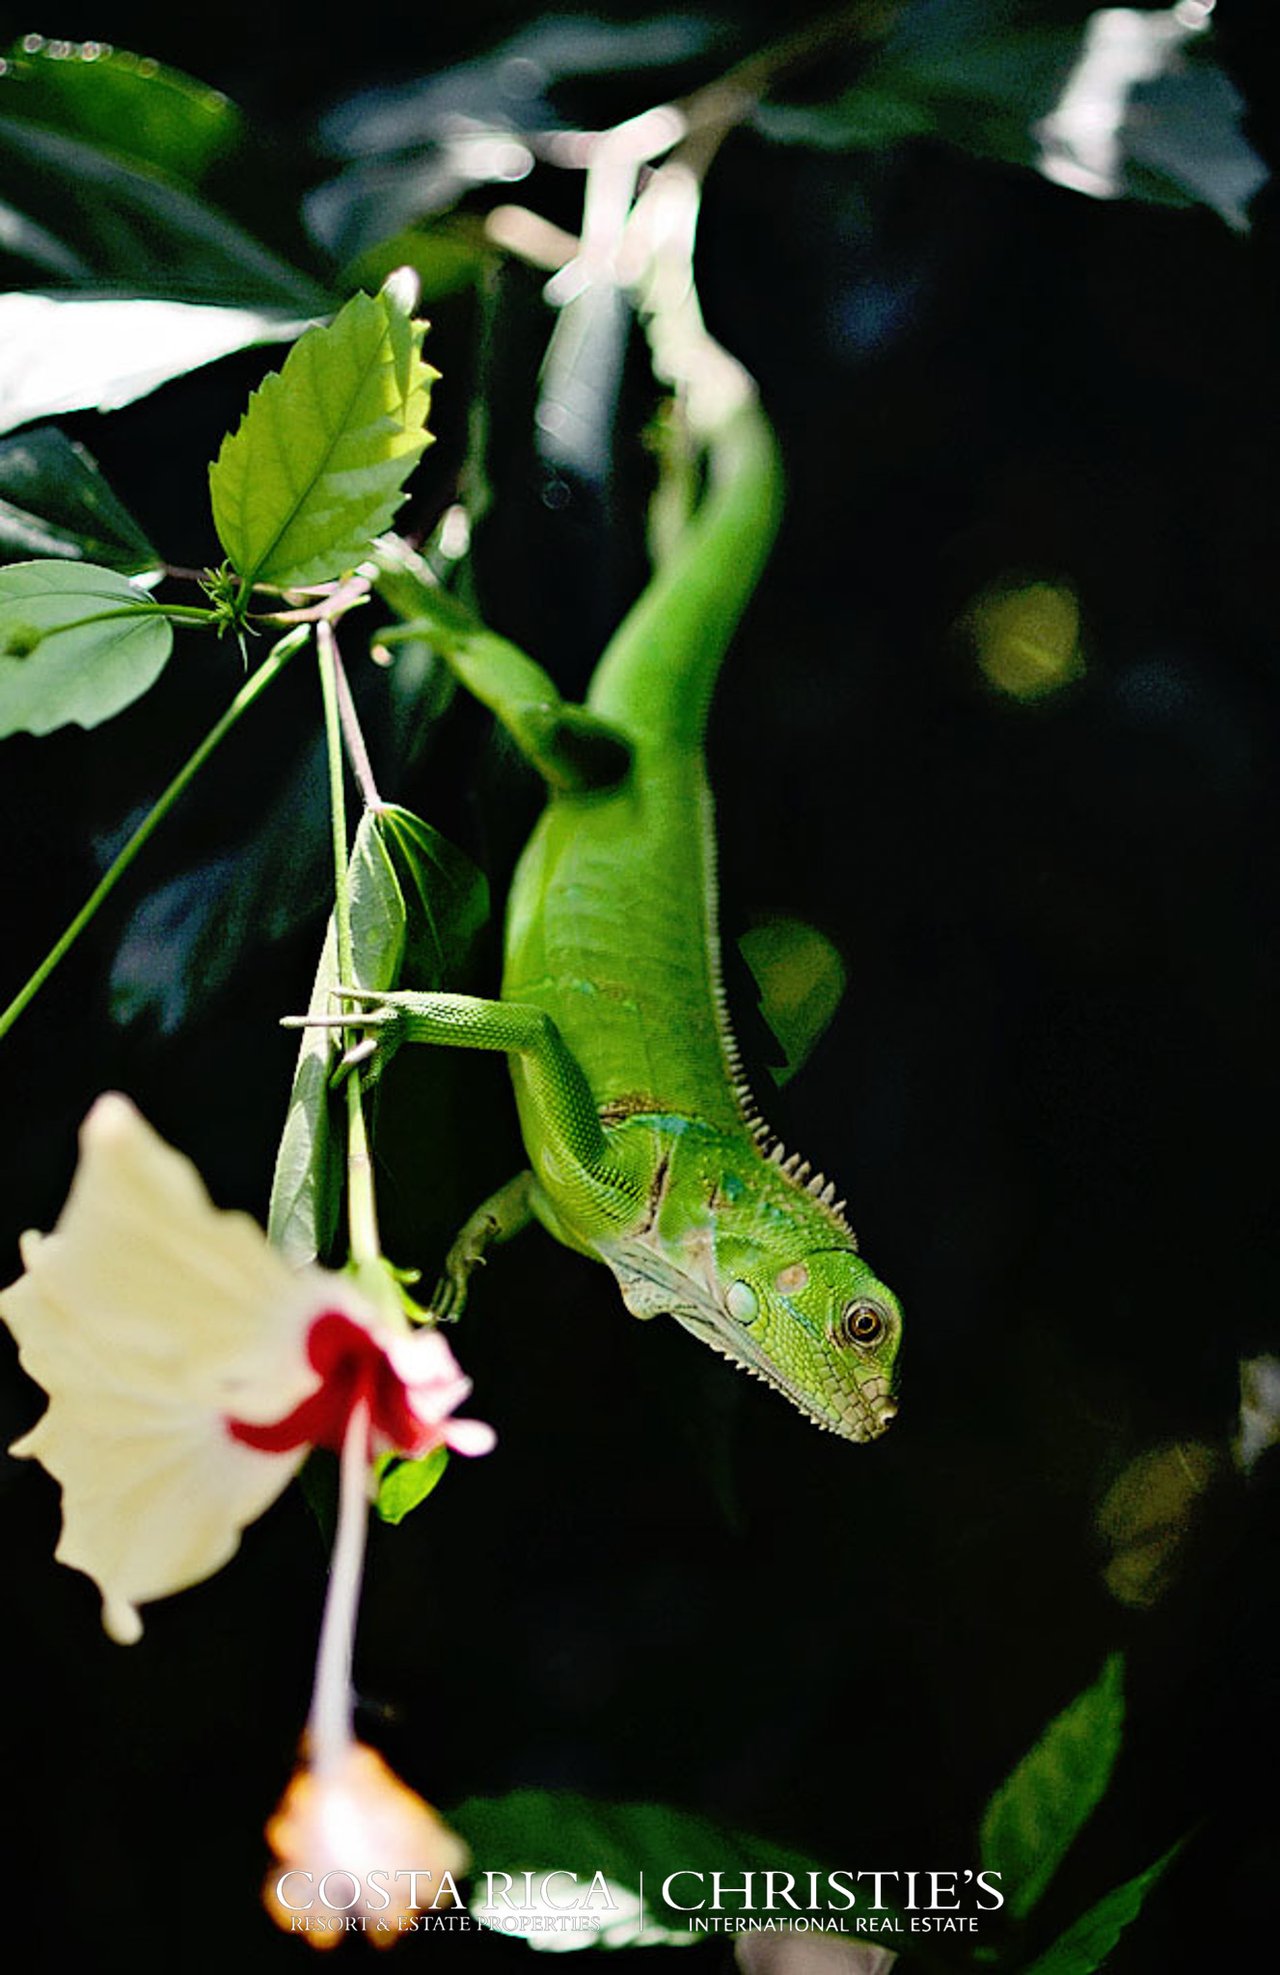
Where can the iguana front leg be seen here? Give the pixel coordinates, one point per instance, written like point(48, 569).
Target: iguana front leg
point(495, 1220)
point(562, 1130)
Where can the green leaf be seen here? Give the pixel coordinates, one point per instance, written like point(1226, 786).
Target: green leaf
point(128, 104)
point(539, 1830)
point(801, 979)
point(115, 225)
point(447, 258)
point(307, 1186)
point(55, 501)
point(377, 908)
point(1037, 1811)
point(402, 1485)
point(416, 906)
point(71, 353)
point(447, 898)
point(77, 643)
point(1086, 1945)
point(316, 467)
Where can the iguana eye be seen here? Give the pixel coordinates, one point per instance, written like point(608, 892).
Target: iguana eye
point(862, 1323)
point(742, 1302)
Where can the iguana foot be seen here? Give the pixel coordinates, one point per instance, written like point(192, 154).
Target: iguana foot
point(495, 1219)
point(379, 1040)
point(449, 1297)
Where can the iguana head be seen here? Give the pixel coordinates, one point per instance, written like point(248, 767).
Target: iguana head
point(764, 1269)
point(816, 1323)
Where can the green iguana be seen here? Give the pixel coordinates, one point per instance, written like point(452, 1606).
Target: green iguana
point(646, 1148)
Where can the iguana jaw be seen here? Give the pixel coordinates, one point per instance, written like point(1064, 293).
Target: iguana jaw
point(653, 1284)
point(866, 1409)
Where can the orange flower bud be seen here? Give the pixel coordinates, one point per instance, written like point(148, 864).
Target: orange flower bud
point(357, 1851)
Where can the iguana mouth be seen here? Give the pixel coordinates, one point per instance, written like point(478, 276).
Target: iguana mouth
point(867, 1410)
point(653, 1285)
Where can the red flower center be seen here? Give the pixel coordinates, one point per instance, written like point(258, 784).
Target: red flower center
point(353, 1369)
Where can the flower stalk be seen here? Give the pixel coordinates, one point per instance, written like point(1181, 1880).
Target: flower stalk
point(330, 1728)
point(362, 1212)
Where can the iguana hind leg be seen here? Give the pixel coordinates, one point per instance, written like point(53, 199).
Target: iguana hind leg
point(495, 1220)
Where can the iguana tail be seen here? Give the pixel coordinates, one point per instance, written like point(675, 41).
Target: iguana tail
point(657, 675)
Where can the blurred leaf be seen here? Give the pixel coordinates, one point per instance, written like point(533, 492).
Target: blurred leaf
point(1259, 1426)
point(447, 258)
point(128, 104)
point(187, 936)
point(317, 464)
point(509, 88)
point(1037, 1811)
point(538, 1830)
point(124, 226)
point(1113, 102)
point(446, 897)
point(969, 71)
point(1184, 143)
point(421, 146)
point(1027, 640)
point(353, 214)
point(70, 353)
point(801, 979)
point(55, 501)
point(77, 643)
point(24, 240)
point(307, 1187)
point(402, 1485)
point(1086, 1945)
point(1147, 1515)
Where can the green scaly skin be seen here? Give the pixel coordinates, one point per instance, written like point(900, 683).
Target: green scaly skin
point(646, 1150)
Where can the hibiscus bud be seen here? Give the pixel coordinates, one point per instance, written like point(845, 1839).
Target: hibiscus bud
point(357, 1851)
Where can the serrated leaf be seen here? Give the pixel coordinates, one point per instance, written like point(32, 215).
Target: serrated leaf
point(316, 467)
point(307, 1186)
point(77, 643)
point(71, 353)
point(55, 501)
point(402, 1485)
point(801, 979)
point(446, 897)
point(128, 103)
point(1037, 1811)
point(1086, 1945)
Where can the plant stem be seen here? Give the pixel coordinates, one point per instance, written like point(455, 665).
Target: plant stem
point(357, 752)
point(252, 689)
point(362, 1215)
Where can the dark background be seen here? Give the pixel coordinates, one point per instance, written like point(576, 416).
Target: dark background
point(1050, 1092)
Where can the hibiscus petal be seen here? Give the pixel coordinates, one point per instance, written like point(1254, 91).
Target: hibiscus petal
point(148, 1316)
point(183, 1362)
point(469, 1436)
